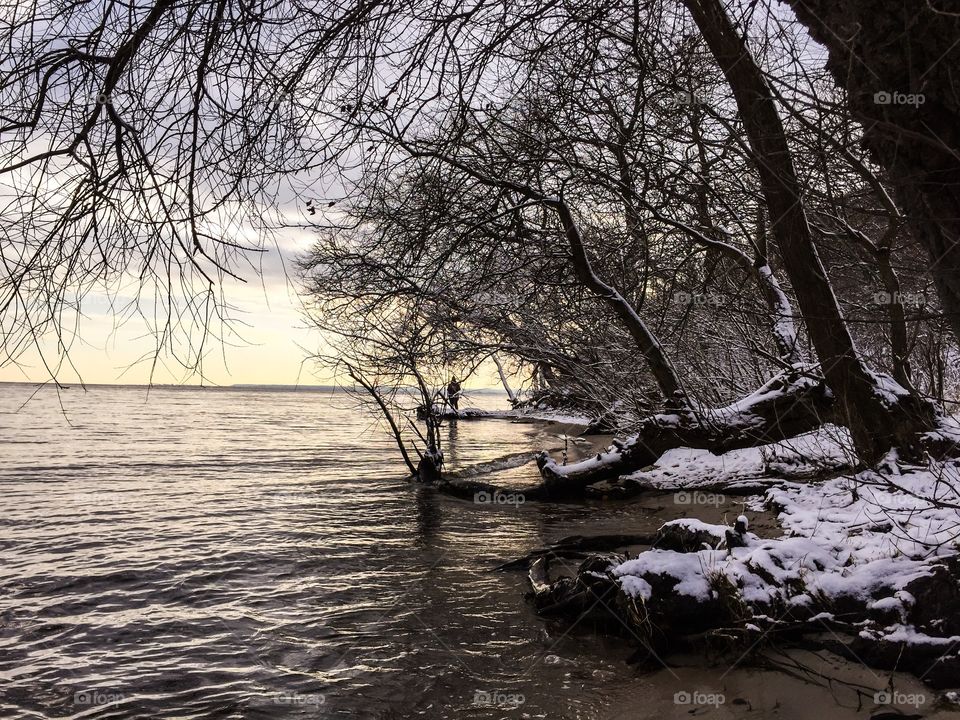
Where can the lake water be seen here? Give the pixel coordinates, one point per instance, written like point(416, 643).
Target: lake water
point(243, 553)
point(249, 553)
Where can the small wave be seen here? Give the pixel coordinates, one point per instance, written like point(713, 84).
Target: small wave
point(491, 466)
point(222, 464)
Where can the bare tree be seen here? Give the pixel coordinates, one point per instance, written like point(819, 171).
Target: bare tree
point(876, 421)
point(897, 66)
point(535, 179)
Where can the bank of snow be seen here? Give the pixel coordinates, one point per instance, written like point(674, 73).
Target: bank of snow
point(875, 549)
point(826, 450)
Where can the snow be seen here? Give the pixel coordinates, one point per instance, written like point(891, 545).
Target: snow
point(877, 516)
point(695, 525)
point(887, 603)
point(557, 416)
point(740, 412)
point(688, 468)
point(783, 325)
point(636, 587)
point(948, 431)
point(738, 416)
point(686, 568)
point(889, 390)
point(788, 570)
point(865, 535)
point(905, 634)
point(528, 414)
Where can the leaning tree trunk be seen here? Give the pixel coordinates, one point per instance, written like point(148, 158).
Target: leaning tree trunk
point(878, 417)
point(781, 312)
point(898, 65)
point(647, 342)
point(656, 356)
point(880, 254)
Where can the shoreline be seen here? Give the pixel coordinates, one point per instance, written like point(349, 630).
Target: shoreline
point(824, 555)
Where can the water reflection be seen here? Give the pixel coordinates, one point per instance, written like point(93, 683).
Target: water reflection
point(180, 556)
point(246, 554)
point(427, 513)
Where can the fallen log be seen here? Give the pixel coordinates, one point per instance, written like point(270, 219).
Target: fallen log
point(794, 402)
point(578, 546)
point(583, 597)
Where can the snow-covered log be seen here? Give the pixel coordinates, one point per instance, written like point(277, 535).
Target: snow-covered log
point(790, 404)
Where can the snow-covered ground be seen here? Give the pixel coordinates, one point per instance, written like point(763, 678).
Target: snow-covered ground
point(827, 450)
point(863, 537)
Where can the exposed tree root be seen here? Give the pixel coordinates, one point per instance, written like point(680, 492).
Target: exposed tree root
point(577, 546)
point(663, 618)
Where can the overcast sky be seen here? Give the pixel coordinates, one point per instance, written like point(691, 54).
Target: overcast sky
point(269, 346)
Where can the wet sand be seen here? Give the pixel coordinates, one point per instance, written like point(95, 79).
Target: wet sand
point(818, 686)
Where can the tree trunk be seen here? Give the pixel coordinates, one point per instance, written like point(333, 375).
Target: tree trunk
point(660, 365)
point(878, 418)
point(388, 416)
point(778, 304)
point(781, 312)
point(899, 344)
point(893, 303)
point(503, 379)
point(787, 406)
point(882, 55)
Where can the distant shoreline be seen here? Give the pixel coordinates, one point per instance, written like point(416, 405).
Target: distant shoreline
point(267, 387)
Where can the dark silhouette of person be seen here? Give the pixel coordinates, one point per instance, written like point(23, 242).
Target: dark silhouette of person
point(453, 394)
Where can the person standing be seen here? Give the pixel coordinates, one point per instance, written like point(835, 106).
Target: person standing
point(453, 394)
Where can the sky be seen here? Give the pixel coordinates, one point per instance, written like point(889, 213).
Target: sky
point(269, 347)
point(271, 344)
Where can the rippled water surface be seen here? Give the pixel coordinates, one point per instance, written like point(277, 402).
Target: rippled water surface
point(252, 553)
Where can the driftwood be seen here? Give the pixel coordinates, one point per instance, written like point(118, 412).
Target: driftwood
point(485, 492)
point(582, 597)
point(787, 406)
